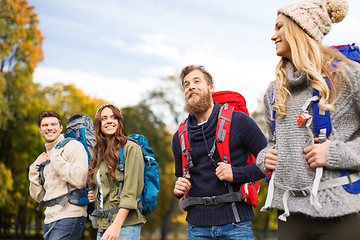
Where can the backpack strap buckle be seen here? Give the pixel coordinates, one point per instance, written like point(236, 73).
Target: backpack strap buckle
point(303, 117)
point(210, 201)
point(300, 192)
point(102, 213)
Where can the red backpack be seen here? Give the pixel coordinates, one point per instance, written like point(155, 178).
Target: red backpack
point(230, 101)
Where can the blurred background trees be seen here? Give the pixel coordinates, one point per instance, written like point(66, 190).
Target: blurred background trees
point(20, 51)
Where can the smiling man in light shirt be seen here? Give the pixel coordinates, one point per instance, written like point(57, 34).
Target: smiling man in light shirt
point(64, 170)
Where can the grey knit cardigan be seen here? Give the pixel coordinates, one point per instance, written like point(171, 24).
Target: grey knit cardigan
point(292, 169)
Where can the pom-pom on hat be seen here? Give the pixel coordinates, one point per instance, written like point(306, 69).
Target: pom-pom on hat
point(104, 106)
point(315, 16)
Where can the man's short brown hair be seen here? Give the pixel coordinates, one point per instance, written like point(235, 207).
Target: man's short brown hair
point(48, 113)
point(188, 69)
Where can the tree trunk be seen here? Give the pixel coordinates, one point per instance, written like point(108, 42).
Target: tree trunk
point(23, 223)
point(166, 227)
point(266, 226)
point(17, 224)
point(2, 223)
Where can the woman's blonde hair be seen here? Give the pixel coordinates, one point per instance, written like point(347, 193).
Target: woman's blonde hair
point(315, 60)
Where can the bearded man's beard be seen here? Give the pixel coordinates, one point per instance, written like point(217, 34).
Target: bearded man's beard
point(200, 105)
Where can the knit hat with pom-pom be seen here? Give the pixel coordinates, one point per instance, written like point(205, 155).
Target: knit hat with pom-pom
point(315, 16)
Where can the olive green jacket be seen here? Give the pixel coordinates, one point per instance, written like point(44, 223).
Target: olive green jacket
point(132, 187)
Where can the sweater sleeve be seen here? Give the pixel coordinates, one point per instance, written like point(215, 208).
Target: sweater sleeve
point(36, 190)
point(254, 141)
point(344, 150)
point(72, 164)
point(133, 176)
point(260, 159)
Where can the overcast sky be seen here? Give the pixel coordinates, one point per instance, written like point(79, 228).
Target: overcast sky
point(118, 49)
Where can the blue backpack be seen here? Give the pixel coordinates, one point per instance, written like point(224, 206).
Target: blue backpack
point(80, 128)
point(148, 199)
point(351, 51)
point(322, 122)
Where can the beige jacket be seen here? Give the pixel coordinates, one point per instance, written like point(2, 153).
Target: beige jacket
point(71, 166)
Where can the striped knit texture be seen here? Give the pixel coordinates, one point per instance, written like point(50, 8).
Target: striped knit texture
point(292, 169)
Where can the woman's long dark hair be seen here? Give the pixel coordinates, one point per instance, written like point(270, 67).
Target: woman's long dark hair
point(106, 147)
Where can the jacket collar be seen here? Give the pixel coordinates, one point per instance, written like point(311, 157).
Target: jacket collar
point(49, 146)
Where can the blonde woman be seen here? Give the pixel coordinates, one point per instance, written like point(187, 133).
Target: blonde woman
point(305, 163)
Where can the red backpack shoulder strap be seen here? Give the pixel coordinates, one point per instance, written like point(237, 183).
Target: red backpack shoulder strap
point(223, 132)
point(184, 144)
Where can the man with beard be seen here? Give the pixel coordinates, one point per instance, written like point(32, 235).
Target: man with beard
point(218, 217)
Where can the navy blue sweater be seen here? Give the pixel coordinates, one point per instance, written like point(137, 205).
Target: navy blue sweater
point(245, 136)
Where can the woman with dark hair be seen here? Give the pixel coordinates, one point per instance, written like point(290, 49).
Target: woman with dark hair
point(117, 214)
point(312, 81)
